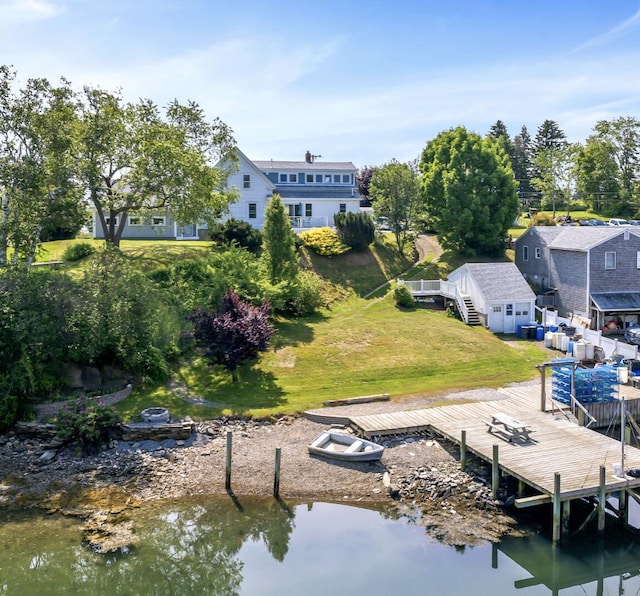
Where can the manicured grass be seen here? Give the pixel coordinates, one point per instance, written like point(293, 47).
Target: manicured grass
point(149, 253)
point(363, 271)
point(358, 347)
point(361, 348)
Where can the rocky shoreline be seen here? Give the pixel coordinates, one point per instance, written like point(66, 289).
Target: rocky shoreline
point(418, 474)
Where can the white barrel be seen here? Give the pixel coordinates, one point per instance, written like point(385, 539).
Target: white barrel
point(623, 375)
point(564, 343)
point(590, 350)
point(548, 339)
point(580, 350)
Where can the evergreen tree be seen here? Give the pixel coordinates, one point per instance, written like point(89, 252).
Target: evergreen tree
point(278, 242)
point(356, 230)
point(548, 136)
point(523, 167)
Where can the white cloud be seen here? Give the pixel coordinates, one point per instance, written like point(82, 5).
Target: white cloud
point(614, 33)
point(16, 12)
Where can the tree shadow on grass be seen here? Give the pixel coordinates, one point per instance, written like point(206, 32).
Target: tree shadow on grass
point(255, 390)
point(293, 332)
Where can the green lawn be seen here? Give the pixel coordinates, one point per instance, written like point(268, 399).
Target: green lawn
point(360, 348)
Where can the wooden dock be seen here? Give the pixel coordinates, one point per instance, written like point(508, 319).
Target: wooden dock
point(561, 462)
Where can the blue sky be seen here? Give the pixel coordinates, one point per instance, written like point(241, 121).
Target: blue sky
point(362, 81)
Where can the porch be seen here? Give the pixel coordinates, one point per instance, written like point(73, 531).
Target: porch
point(424, 288)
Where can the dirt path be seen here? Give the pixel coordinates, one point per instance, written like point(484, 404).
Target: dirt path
point(428, 249)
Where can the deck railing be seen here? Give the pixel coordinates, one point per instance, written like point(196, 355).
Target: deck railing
point(438, 287)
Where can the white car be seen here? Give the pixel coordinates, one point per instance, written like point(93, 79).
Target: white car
point(618, 222)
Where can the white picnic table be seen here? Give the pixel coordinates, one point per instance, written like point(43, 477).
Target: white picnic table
point(509, 427)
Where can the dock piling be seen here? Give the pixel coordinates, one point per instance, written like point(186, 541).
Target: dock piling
point(602, 498)
point(463, 450)
point(276, 476)
point(495, 472)
point(556, 508)
point(227, 481)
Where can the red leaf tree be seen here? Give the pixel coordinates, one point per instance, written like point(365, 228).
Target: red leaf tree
point(234, 333)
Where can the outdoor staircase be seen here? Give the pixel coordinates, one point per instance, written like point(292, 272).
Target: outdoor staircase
point(472, 317)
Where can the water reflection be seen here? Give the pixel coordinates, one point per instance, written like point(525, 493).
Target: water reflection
point(589, 561)
point(245, 547)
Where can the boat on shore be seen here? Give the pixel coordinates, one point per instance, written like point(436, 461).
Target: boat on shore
point(345, 447)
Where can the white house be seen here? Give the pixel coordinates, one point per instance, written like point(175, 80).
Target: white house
point(311, 191)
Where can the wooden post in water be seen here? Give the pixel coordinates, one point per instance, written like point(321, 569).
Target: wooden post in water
point(556, 508)
point(602, 499)
point(623, 507)
point(276, 476)
point(463, 450)
point(495, 473)
point(227, 481)
point(566, 514)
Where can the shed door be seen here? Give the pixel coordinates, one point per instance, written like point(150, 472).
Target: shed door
point(496, 318)
point(509, 318)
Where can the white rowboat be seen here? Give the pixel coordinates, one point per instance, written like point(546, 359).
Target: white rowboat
point(345, 447)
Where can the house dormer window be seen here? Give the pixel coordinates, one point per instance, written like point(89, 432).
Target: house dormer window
point(525, 253)
point(609, 260)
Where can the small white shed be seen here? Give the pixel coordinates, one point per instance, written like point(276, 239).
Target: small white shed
point(500, 294)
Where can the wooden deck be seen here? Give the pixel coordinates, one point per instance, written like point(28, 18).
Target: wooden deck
point(556, 446)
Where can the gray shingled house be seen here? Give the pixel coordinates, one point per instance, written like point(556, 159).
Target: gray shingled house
point(591, 272)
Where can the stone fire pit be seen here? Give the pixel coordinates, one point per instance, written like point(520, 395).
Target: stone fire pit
point(156, 415)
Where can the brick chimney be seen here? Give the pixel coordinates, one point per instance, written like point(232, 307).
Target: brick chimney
point(308, 157)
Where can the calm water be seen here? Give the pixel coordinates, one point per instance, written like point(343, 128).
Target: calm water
point(216, 546)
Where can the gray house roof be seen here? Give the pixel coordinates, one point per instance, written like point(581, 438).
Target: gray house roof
point(297, 166)
point(500, 281)
point(616, 301)
point(547, 233)
point(582, 239)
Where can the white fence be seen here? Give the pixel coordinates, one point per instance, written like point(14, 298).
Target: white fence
point(609, 346)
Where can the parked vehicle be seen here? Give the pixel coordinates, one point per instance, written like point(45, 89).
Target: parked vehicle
point(616, 221)
point(597, 222)
point(632, 334)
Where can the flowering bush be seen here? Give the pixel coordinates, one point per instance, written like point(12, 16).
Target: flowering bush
point(87, 423)
point(324, 241)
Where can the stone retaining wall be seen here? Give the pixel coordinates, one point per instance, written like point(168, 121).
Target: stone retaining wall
point(48, 410)
point(148, 431)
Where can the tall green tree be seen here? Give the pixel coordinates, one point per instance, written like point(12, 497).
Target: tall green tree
point(523, 167)
point(469, 191)
point(37, 176)
point(598, 176)
point(548, 136)
point(395, 194)
point(555, 177)
point(278, 243)
point(133, 159)
point(623, 137)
